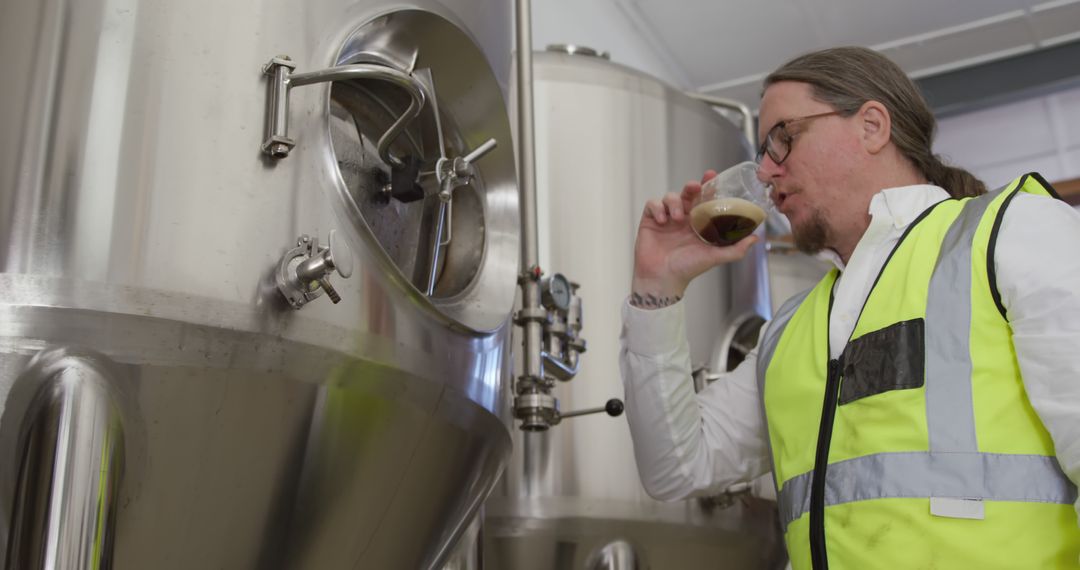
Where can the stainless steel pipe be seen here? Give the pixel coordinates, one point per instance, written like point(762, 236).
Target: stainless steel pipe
point(72, 461)
point(747, 121)
point(530, 254)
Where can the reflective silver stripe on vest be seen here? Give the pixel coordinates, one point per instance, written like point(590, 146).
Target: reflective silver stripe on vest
point(990, 476)
point(950, 413)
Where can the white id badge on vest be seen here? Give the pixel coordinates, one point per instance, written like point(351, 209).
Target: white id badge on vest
point(957, 508)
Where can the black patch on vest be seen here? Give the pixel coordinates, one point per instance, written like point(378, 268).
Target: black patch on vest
point(892, 358)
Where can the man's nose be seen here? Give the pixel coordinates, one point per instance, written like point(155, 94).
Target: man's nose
point(767, 169)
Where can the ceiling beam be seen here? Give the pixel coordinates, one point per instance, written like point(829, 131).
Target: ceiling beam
point(1003, 81)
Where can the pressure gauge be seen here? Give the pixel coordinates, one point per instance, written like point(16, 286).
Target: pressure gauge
point(555, 292)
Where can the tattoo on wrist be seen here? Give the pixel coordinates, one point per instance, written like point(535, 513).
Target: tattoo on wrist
point(650, 301)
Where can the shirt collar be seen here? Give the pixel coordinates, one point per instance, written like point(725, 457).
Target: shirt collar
point(897, 207)
point(901, 205)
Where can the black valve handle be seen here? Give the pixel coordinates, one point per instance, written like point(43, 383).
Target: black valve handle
point(614, 408)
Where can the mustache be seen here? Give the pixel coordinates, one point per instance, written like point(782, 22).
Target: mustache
point(785, 190)
point(779, 195)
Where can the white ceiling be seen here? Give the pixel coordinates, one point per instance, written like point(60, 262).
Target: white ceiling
point(725, 48)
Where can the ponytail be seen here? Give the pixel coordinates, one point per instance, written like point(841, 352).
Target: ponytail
point(958, 182)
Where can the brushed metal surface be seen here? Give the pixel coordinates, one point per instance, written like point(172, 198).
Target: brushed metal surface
point(72, 460)
point(608, 139)
point(140, 223)
point(589, 534)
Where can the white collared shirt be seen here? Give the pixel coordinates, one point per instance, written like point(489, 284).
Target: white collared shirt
point(689, 444)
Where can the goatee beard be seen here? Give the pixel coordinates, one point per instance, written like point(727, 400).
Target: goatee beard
point(812, 236)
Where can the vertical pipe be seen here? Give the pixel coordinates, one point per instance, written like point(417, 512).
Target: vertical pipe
point(536, 446)
point(71, 463)
point(538, 464)
point(530, 287)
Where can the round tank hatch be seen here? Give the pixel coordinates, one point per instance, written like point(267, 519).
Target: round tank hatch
point(436, 198)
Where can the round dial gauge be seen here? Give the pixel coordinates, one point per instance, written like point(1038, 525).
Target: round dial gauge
point(556, 292)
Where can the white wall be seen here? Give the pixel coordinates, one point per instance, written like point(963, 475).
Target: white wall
point(604, 25)
point(1000, 143)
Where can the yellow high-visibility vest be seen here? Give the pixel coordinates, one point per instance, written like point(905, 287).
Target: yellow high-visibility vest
point(918, 447)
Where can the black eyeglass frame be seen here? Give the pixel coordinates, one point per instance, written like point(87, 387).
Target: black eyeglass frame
point(767, 146)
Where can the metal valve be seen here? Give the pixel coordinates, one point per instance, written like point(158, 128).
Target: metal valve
point(539, 411)
point(451, 174)
point(458, 171)
point(304, 271)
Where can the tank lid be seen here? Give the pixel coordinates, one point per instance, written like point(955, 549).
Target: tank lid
point(578, 50)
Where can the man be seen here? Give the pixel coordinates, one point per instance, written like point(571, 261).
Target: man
point(919, 407)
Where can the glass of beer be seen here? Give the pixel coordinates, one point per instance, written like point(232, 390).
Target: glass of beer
point(731, 205)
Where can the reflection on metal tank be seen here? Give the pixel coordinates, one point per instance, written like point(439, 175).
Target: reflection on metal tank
point(192, 373)
point(608, 139)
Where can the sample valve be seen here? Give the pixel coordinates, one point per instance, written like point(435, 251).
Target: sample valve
point(560, 317)
point(304, 271)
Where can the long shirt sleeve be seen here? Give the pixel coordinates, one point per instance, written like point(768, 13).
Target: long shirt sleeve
point(687, 444)
point(1038, 275)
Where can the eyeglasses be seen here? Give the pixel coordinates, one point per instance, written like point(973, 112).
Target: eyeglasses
point(778, 140)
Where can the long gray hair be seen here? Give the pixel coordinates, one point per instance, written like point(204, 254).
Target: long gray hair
point(846, 77)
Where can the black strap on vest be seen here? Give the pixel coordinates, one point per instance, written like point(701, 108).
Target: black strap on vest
point(991, 267)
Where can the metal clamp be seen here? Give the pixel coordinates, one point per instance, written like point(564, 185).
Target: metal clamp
point(538, 315)
point(536, 410)
point(457, 172)
point(304, 271)
point(278, 144)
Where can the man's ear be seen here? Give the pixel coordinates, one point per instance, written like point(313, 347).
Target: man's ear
point(876, 126)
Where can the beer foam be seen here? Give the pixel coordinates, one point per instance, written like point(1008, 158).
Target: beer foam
point(724, 206)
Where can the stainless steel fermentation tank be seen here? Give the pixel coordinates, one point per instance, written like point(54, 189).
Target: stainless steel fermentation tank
point(186, 195)
point(607, 140)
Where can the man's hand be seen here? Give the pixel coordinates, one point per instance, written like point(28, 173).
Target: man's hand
point(668, 254)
